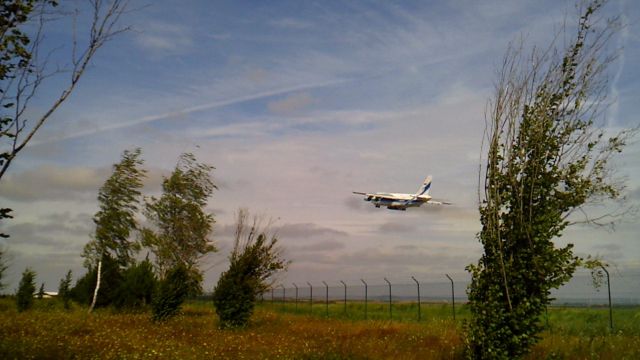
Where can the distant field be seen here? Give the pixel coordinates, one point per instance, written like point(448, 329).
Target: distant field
point(587, 321)
point(278, 331)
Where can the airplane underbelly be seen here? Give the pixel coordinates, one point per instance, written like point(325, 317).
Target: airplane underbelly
point(392, 204)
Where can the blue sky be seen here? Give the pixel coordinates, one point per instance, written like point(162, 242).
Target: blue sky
point(297, 104)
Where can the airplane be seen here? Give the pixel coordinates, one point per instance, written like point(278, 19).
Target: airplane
point(395, 201)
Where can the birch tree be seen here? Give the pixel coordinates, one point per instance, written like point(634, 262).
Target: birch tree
point(26, 66)
point(119, 198)
point(181, 230)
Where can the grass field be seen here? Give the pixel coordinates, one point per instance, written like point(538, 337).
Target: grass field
point(278, 331)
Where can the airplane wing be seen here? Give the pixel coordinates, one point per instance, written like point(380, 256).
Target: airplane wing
point(379, 196)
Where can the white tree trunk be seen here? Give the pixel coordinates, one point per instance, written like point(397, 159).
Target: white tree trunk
point(95, 292)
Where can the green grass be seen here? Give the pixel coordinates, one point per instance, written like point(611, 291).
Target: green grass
point(375, 310)
point(582, 321)
point(280, 332)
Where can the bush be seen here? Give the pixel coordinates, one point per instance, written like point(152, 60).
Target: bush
point(234, 298)
point(24, 296)
point(255, 258)
point(137, 286)
point(171, 293)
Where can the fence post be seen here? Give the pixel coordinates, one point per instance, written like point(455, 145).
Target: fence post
point(365, 298)
point(326, 298)
point(609, 290)
point(345, 296)
point(310, 298)
point(284, 291)
point(453, 298)
point(546, 316)
point(390, 308)
point(417, 283)
point(296, 286)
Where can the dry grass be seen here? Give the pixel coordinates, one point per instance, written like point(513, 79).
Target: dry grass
point(194, 335)
point(50, 332)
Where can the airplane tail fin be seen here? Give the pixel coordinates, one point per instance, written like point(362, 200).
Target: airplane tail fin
point(425, 187)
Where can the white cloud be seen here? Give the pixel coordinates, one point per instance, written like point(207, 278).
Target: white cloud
point(49, 182)
point(69, 184)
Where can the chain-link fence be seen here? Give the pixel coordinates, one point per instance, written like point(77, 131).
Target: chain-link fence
point(371, 298)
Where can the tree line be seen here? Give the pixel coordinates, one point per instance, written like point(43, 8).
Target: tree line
point(176, 235)
point(178, 230)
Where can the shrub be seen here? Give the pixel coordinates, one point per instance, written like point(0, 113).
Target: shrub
point(234, 298)
point(254, 259)
point(171, 293)
point(137, 286)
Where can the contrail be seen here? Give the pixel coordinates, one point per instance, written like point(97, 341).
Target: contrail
point(188, 110)
point(622, 41)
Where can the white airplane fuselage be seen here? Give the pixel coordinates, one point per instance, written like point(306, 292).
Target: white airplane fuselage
point(396, 201)
point(400, 201)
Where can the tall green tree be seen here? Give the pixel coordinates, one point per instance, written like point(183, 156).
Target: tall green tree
point(547, 159)
point(181, 227)
point(3, 266)
point(26, 290)
point(64, 290)
point(119, 199)
point(24, 66)
point(41, 291)
point(254, 261)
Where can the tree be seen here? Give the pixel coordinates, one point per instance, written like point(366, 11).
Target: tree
point(64, 290)
point(41, 291)
point(111, 280)
point(26, 289)
point(253, 262)
point(115, 221)
point(25, 67)
point(547, 160)
point(182, 227)
point(3, 266)
point(23, 71)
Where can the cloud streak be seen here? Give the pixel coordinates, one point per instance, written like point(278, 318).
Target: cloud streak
point(202, 107)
